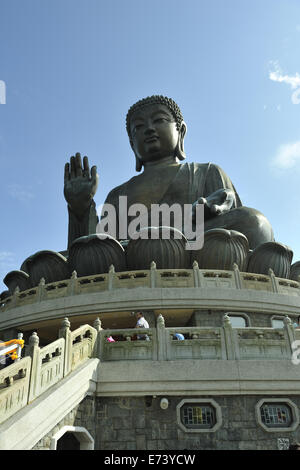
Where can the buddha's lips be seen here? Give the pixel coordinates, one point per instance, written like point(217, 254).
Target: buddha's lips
point(151, 139)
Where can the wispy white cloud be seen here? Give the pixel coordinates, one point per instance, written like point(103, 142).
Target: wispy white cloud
point(20, 193)
point(296, 96)
point(277, 75)
point(272, 108)
point(288, 155)
point(292, 80)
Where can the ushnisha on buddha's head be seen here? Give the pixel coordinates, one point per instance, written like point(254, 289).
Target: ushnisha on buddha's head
point(156, 130)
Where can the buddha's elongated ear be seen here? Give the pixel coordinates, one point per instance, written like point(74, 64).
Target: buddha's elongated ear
point(138, 162)
point(179, 151)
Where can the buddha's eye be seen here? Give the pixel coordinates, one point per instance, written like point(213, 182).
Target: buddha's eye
point(137, 127)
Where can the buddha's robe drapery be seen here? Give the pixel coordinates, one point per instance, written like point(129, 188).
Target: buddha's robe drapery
point(182, 184)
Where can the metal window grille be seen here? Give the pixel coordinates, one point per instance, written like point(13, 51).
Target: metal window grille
point(276, 415)
point(195, 416)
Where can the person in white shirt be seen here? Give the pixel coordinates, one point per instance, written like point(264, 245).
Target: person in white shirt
point(142, 323)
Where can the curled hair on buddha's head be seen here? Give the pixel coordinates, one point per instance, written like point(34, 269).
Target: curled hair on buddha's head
point(172, 106)
point(155, 99)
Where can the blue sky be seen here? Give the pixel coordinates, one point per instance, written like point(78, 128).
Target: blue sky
point(72, 68)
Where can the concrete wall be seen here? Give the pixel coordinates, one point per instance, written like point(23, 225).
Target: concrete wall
point(254, 319)
point(131, 424)
point(139, 423)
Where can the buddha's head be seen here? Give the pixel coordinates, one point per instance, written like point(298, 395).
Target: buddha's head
point(156, 130)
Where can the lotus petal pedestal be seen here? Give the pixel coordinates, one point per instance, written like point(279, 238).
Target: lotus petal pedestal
point(222, 248)
point(50, 265)
point(93, 255)
point(272, 255)
point(17, 279)
point(164, 245)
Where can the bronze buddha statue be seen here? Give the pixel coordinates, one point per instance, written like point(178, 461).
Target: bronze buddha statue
point(156, 131)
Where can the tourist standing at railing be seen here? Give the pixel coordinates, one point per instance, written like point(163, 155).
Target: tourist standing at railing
point(296, 324)
point(141, 323)
point(178, 336)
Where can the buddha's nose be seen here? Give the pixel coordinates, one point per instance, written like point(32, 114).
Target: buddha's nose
point(149, 129)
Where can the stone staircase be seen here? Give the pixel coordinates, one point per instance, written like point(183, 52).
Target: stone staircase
point(27, 379)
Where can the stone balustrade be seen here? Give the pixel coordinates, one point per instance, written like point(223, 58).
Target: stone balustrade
point(27, 379)
point(125, 348)
point(83, 341)
point(220, 343)
point(14, 387)
point(153, 278)
point(200, 343)
point(47, 365)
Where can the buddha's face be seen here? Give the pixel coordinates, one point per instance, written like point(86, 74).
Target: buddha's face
point(154, 133)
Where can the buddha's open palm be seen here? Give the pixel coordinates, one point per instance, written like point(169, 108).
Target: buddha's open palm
point(80, 184)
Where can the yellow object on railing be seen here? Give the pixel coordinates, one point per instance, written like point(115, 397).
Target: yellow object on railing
point(12, 348)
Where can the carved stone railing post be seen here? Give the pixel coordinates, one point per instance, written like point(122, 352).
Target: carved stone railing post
point(237, 276)
point(19, 348)
point(196, 273)
point(273, 281)
point(64, 332)
point(73, 283)
point(289, 327)
point(230, 339)
point(111, 276)
point(97, 347)
point(41, 290)
point(161, 338)
point(34, 353)
point(15, 296)
point(153, 274)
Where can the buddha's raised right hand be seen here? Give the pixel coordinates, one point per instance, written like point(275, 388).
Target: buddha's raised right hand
point(80, 184)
